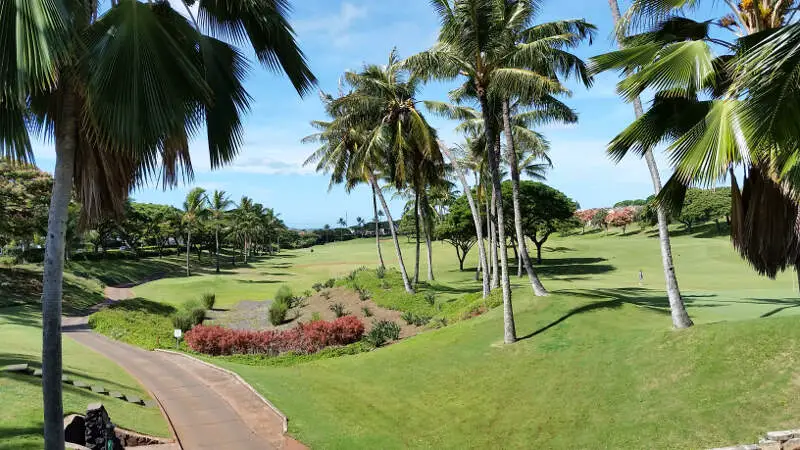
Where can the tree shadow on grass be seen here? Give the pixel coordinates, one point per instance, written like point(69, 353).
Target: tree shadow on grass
point(260, 281)
point(6, 433)
point(608, 304)
point(36, 363)
point(573, 266)
point(26, 316)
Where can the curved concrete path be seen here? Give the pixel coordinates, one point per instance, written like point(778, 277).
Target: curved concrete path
point(207, 407)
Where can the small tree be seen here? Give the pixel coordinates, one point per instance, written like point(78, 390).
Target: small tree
point(458, 229)
point(585, 217)
point(599, 218)
point(622, 217)
point(543, 209)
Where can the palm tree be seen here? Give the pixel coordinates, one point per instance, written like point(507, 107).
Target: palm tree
point(360, 223)
point(376, 130)
point(195, 210)
point(342, 223)
point(326, 229)
point(376, 217)
point(473, 43)
point(120, 92)
point(218, 207)
point(680, 318)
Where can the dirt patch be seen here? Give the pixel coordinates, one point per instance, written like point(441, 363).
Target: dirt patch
point(249, 315)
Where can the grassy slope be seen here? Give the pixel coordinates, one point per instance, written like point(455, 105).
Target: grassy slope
point(599, 368)
point(20, 341)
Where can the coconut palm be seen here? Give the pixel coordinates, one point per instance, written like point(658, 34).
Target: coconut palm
point(376, 130)
point(120, 92)
point(473, 43)
point(706, 107)
point(218, 207)
point(342, 224)
point(195, 210)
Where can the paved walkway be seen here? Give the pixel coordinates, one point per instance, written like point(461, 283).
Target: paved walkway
point(208, 408)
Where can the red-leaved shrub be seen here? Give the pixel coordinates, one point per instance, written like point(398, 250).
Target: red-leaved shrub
point(304, 338)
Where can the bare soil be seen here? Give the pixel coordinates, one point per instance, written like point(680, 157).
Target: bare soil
point(250, 315)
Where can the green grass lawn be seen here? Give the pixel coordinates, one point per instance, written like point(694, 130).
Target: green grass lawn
point(20, 342)
point(598, 365)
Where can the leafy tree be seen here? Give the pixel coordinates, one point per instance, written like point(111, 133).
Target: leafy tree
point(458, 229)
point(585, 217)
point(621, 217)
point(543, 210)
point(702, 205)
point(624, 203)
point(25, 193)
point(599, 218)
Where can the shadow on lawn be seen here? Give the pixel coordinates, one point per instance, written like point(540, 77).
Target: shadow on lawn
point(573, 266)
point(36, 363)
point(6, 433)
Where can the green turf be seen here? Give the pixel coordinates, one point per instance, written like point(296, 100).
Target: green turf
point(599, 366)
point(21, 396)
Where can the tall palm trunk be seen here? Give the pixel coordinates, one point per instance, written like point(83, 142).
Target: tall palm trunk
point(377, 228)
point(423, 213)
point(416, 230)
point(476, 218)
point(522, 248)
point(680, 318)
point(52, 280)
point(245, 249)
point(216, 241)
point(403, 273)
point(493, 152)
point(491, 214)
point(188, 248)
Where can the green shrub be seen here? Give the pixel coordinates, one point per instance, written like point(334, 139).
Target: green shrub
point(421, 320)
point(317, 286)
point(189, 305)
point(326, 295)
point(8, 261)
point(209, 298)
point(330, 283)
point(308, 293)
point(182, 321)
point(197, 316)
point(380, 272)
point(385, 285)
point(339, 310)
point(415, 319)
point(367, 312)
point(315, 316)
point(284, 294)
point(364, 295)
point(277, 312)
point(408, 316)
point(382, 332)
point(430, 298)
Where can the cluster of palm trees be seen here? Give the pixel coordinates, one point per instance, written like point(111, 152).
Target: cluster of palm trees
point(249, 226)
point(121, 87)
point(512, 71)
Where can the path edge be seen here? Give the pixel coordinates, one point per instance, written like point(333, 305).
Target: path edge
point(284, 419)
point(147, 389)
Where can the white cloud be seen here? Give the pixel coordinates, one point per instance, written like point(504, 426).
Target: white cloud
point(332, 28)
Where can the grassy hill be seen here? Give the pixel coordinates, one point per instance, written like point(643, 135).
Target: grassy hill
point(597, 366)
point(20, 342)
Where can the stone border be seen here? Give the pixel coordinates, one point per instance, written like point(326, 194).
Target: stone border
point(774, 440)
point(284, 419)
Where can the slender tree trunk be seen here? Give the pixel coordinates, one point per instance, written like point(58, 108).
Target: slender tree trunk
point(680, 318)
point(246, 249)
point(416, 230)
point(429, 245)
point(476, 217)
point(536, 283)
point(188, 249)
point(403, 273)
point(493, 151)
point(490, 217)
point(377, 228)
point(52, 279)
point(216, 239)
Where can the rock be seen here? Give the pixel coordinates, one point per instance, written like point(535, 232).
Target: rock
point(781, 436)
point(37, 373)
point(99, 390)
point(99, 429)
point(792, 444)
point(80, 384)
point(66, 379)
point(118, 395)
point(769, 445)
point(75, 429)
point(17, 368)
point(134, 399)
point(150, 404)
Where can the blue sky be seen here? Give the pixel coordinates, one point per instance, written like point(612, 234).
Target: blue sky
point(340, 35)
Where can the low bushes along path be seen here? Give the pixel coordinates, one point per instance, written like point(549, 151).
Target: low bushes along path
point(208, 408)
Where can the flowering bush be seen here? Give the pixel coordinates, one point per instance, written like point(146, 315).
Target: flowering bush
point(622, 217)
point(303, 339)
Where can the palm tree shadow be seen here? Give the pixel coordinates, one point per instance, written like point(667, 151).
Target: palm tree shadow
point(608, 304)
